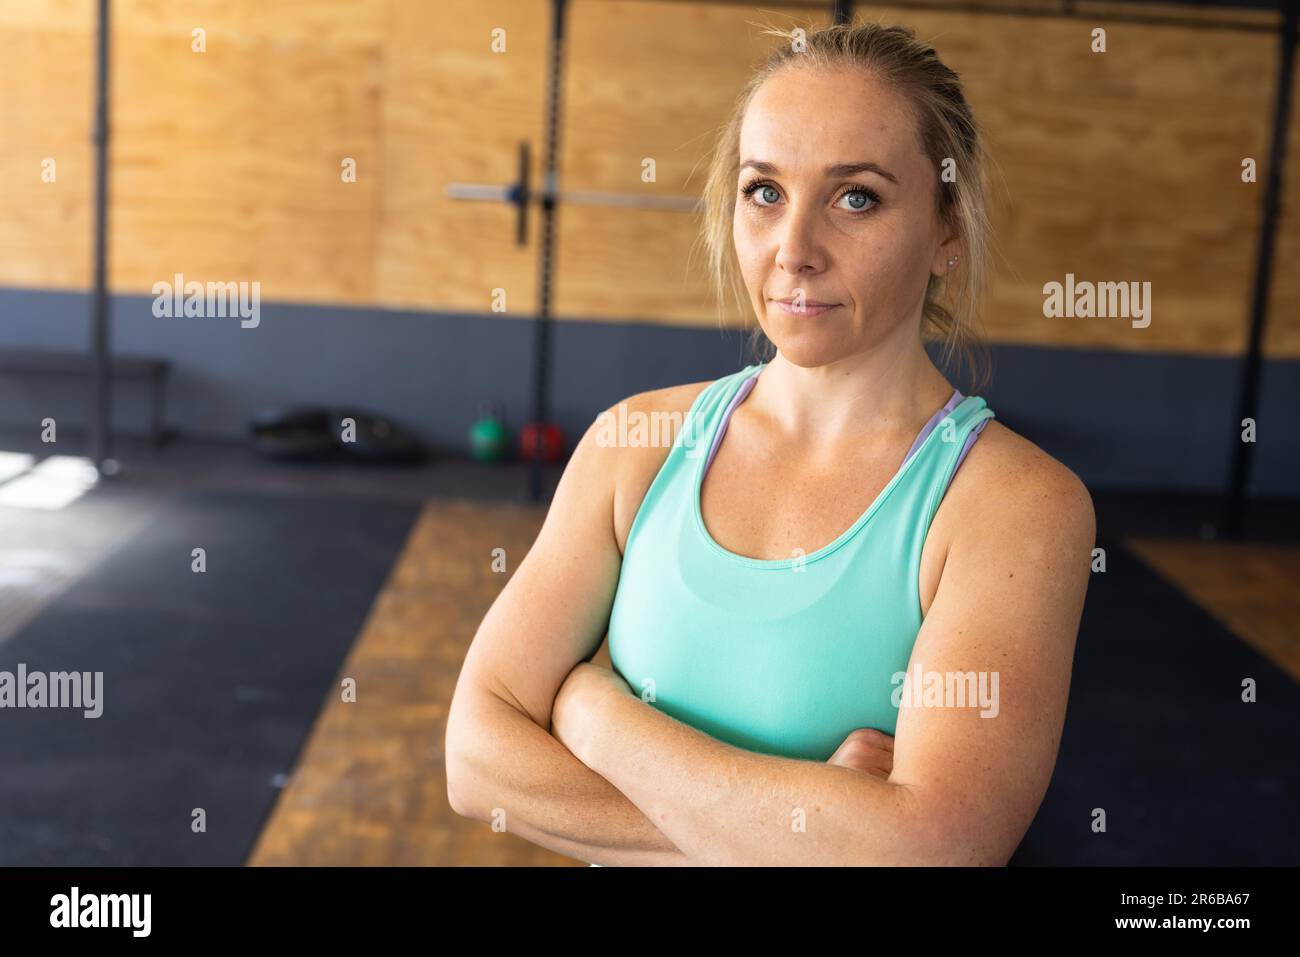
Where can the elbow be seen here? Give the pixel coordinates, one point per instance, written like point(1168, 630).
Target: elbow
point(455, 765)
point(968, 851)
point(948, 836)
point(461, 808)
point(453, 798)
point(957, 847)
point(458, 793)
point(471, 751)
point(457, 805)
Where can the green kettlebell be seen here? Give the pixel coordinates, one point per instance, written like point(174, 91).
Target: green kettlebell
point(488, 439)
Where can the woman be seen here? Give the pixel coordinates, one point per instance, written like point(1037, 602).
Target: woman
point(811, 622)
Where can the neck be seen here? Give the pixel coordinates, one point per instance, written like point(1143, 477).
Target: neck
point(875, 393)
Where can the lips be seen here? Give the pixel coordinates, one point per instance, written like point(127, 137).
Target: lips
point(810, 308)
point(789, 301)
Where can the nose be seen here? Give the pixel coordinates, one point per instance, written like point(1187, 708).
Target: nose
point(800, 250)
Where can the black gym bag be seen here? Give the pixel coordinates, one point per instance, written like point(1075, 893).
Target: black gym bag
point(306, 433)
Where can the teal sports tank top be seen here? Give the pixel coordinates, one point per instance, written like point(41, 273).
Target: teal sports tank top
point(778, 656)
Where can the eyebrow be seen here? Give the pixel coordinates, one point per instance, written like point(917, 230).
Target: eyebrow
point(837, 169)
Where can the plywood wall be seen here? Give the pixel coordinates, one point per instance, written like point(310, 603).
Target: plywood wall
point(226, 164)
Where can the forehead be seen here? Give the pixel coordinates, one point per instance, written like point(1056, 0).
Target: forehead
point(805, 118)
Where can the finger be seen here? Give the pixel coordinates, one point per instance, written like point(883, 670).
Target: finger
point(878, 738)
point(863, 758)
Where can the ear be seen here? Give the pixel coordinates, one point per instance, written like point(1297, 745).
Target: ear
point(949, 250)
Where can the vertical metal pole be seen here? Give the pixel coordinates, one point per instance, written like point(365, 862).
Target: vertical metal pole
point(842, 10)
point(1248, 396)
point(101, 412)
point(550, 186)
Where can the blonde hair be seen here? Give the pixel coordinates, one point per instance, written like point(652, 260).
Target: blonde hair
point(946, 129)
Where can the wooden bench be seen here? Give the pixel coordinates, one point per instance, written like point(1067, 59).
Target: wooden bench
point(68, 363)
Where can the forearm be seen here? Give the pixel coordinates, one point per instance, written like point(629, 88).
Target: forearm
point(723, 805)
point(515, 770)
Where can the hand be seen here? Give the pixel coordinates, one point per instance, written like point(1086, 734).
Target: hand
point(866, 749)
point(577, 704)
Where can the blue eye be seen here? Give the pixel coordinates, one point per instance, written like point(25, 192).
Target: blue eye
point(766, 188)
point(861, 192)
point(771, 195)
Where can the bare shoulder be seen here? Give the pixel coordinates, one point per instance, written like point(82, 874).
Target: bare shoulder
point(658, 415)
point(1008, 481)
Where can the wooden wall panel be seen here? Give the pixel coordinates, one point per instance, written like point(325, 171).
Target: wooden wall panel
point(46, 103)
point(455, 111)
point(1282, 334)
point(225, 165)
point(1122, 166)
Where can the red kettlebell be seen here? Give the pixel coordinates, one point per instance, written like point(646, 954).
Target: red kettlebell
point(552, 440)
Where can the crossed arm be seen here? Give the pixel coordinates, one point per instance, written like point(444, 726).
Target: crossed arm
point(604, 777)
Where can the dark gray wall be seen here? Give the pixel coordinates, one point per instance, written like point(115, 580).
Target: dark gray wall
point(1120, 420)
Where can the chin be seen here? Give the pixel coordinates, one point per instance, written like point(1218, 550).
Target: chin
point(807, 351)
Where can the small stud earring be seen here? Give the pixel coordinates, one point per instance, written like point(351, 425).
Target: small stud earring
point(952, 260)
